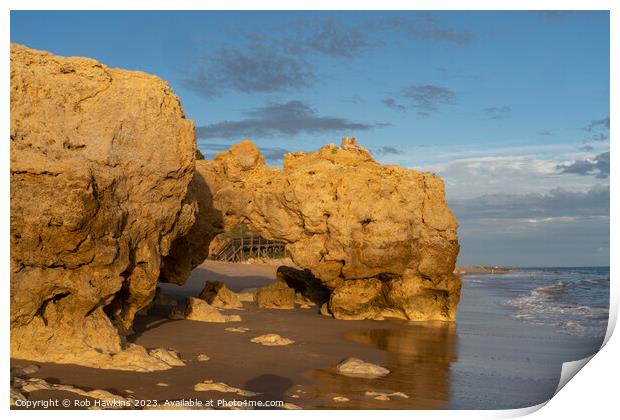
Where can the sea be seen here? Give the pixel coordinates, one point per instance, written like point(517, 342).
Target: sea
point(573, 300)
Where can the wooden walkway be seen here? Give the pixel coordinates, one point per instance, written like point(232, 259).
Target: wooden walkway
point(251, 245)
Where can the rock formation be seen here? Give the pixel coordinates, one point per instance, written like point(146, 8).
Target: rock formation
point(216, 294)
point(380, 238)
point(101, 160)
point(106, 198)
point(275, 296)
point(199, 310)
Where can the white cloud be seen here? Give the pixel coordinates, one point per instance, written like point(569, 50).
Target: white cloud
point(472, 177)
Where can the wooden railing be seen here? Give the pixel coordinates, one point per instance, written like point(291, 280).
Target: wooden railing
point(240, 248)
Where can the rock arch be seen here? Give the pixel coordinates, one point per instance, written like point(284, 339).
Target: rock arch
point(380, 237)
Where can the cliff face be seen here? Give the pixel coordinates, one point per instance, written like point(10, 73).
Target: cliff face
point(380, 237)
point(101, 160)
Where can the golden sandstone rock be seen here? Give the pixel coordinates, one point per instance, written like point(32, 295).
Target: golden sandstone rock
point(381, 238)
point(107, 199)
point(101, 160)
point(275, 296)
point(216, 294)
point(199, 310)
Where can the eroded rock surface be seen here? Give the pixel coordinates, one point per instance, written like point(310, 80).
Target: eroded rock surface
point(380, 238)
point(275, 296)
point(218, 295)
point(101, 160)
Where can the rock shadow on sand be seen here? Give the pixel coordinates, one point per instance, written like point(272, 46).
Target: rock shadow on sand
point(271, 388)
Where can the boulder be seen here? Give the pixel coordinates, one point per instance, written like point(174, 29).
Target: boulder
point(101, 161)
point(275, 296)
point(379, 238)
point(199, 310)
point(358, 299)
point(216, 294)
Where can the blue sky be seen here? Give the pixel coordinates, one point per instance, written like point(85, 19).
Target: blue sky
point(510, 108)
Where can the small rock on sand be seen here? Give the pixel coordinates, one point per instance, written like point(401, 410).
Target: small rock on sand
point(203, 357)
point(209, 385)
point(341, 399)
point(271, 340)
point(161, 384)
point(20, 386)
point(199, 310)
point(237, 329)
point(218, 295)
point(385, 396)
point(356, 368)
point(168, 356)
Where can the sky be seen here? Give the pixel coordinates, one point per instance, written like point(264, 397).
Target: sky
point(510, 108)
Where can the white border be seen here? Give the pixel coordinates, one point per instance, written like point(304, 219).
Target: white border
point(593, 395)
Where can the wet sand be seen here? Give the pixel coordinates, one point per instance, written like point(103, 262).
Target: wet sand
point(485, 360)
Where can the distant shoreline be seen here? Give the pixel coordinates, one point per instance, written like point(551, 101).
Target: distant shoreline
point(481, 269)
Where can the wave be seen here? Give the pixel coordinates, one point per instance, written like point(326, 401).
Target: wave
point(563, 286)
point(577, 307)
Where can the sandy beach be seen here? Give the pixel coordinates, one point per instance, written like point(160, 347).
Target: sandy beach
point(485, 360)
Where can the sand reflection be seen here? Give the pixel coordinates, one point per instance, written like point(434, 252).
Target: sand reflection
point(419, 357)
